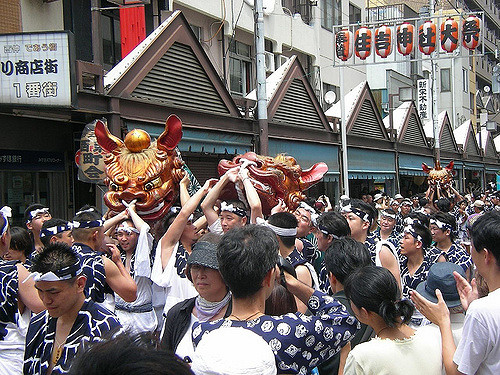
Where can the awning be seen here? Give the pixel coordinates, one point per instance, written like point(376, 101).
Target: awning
point(370, 164)
point(473, 166)
point(412, 164)
point(207, 141)
point(456, 163)
point(307, 154)
point(492, 168)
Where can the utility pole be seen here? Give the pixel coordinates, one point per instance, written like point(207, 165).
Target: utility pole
point(95, 7)
point(261, 77)
point(343, 135)
point(435, 125)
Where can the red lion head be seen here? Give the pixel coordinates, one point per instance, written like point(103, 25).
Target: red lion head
point(278, 178)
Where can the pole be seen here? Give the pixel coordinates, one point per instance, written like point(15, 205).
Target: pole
point(434, 95)
point(343, 134)
point(96, 32)
point(261, 77)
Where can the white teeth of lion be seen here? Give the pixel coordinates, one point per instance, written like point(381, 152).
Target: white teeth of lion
point(153, 210)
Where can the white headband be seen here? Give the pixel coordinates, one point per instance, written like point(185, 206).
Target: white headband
point(387, 214)
point(441, 225)
point(231, 208)
point(33, 213)
point(312, 211)
point(285, 232)
point(6, 212)
point(127, 229)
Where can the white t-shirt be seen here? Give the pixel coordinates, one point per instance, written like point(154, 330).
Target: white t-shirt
point(417, 355)
point(186, 347)
point(479, 349)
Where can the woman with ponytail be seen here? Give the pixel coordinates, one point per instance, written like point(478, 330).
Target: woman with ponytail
point(397, 348)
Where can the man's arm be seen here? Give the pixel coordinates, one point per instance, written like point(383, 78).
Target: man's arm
point(117, 277)
point(183, 189)
point(389, 261)
point(439, 314)
point(27, 292)
point(304, 276)
point(136, 219)
point(252, 196)
point(208, 203)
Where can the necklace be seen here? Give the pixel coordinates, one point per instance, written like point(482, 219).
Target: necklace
point(378, 334)
point(247, 318)
point(59, 351)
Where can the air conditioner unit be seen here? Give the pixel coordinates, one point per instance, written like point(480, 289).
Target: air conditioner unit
point(283, 59)
point(269, 60)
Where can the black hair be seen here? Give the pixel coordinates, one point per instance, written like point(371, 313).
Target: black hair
point(376, 289)
point(485, 233)
point(245, 256)
point(284, 220)
point(366, 208)
point(424, 233)
point(344, 256)
point(86, 213)
point(447, 219)
point(127, 354)
point(420, 217)
point(32, 207)
point(390, 211)
point(334, 223)
point(443, 204)
point(51, 223)
point(280, 302)
point(54, 257)
point(21, 240)
point(422, 202)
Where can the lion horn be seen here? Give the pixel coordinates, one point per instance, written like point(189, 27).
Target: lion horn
point(312, 175)
point(172, 134)
point(106, 140)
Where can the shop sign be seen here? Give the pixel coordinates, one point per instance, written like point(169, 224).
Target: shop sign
point(423, 95)
point(31, 160)
point(36, 69)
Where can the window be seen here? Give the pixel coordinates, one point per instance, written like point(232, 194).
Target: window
point(197, 30)
point(465, 80)
point(111, 43)
point(445, 80)
point(331, 13)
point(354, 14)
point(240, 68)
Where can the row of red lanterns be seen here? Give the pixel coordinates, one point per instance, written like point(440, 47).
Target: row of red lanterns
point(404, 38)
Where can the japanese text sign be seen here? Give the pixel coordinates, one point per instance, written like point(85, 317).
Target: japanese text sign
point(90, 157)
point(423, 95)
point(35, 69)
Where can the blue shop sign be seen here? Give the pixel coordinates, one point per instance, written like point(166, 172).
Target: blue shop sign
point(31, 160)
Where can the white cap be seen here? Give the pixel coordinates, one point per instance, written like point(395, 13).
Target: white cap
point(377, 197)
point(479, 204)
point(233, 351)
point(398, 196)
point(344, 197)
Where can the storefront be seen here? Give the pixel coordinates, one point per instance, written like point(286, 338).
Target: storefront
point(412, 179)
point(371, 170)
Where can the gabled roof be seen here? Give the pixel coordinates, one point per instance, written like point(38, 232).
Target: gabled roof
point(487, 144)
point(465, 137)
point(291, 98)
point(171, 68)
point(274, 81)
point(362, 115)
point(407, 124)
point(446, 134)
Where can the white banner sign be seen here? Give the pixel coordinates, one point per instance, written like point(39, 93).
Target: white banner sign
point(35, 69)
point(423, 99)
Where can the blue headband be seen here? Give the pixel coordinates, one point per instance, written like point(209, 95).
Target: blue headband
point(361, 214)
point(410, 230)
point(52, 231)
point(232, 208)
point(87, 224)
point(65, 273)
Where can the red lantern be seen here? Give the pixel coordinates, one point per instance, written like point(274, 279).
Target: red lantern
point(404, 36)
point(383, 41)
point(449, 35)
point(471, 30)
point(343, 44)
point(362, 42)
point(427, 38)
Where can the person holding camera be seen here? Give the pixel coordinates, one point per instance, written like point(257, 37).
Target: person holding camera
point(248, 262)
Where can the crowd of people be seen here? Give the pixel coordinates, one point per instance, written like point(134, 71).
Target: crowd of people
point(376, 285)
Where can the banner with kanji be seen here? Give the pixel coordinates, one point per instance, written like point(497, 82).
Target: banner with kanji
point(90, 156)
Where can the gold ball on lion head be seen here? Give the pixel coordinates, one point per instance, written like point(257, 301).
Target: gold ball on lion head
point(137, 140)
